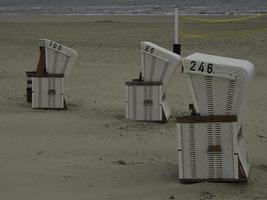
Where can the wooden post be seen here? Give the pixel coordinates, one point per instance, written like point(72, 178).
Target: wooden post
point(176, 26)
point(176, 45)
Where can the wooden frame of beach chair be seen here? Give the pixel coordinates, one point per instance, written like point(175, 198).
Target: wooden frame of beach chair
point(211, 146)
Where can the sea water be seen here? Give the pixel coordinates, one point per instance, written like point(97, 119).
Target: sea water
point(131, 7)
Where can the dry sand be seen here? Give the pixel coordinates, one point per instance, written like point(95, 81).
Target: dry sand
point(90, 151)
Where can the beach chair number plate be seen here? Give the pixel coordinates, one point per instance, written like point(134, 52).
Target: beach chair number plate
point(149, 49)
point(201, 67)
point(56, 46)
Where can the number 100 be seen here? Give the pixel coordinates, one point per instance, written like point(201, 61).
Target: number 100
point(55, 46)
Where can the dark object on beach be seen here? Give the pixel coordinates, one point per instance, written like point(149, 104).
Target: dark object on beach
point(39, 70)
point(177, 49)
point(122, 162)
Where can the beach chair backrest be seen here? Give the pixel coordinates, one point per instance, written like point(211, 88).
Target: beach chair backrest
point(59, 58)
point(219, 84)
point(158, 64)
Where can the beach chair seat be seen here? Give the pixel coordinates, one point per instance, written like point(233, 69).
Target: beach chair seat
point(59, 59)
point(219, 85)
point(158, 64)
point(146, 96)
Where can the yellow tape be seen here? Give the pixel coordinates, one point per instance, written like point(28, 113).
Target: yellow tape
point(222, 20)
point(220, 34)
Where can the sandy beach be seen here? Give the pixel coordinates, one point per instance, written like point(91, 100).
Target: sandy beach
point(90, 152)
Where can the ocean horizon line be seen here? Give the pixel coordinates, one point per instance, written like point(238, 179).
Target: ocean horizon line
point(139, 14)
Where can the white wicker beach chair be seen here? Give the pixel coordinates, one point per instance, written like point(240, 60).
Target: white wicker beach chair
point(56, 61)
point(211, 145)
point(146, 96)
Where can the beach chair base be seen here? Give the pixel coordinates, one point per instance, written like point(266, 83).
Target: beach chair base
point(211, 148)
point(145, 102)
point(48, 91)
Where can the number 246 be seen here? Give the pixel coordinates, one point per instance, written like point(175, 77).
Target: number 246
point(201, 67)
